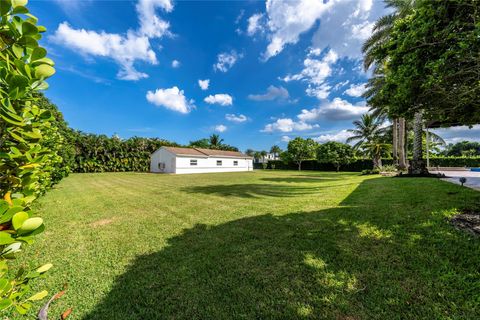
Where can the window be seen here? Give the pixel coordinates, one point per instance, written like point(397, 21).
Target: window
point(161, 165)
point(193, 162)
point(235, 163)
point(219, 162)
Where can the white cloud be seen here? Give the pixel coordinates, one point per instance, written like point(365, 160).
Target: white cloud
point(226, 60)
point(340, 136)
point(287, 125)
point(273, 93)
point(152, 25)
point(236, 118)
point(458, 134)
point(285, 139)
point(352, 22)
point(204, 84)
point(356, 90)
point(255, 24)
point(336, 110)
point(222, 99)
point(288, 19)
point(171, 98)
point(315, 72)
point(124, 49)
point(220, 128)
point(175, 64)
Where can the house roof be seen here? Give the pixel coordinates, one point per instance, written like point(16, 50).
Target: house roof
point(201, 152)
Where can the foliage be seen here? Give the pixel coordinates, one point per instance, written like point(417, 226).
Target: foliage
point(264, 165)
point(337, 153)
point(370, 171)
point(213, 142)
point(300, 149)
point(463, 148)
point(366, 163)
point(388, 168)
point(367, 130)
point(433, 62)
point(27, 131)
point(99, 153)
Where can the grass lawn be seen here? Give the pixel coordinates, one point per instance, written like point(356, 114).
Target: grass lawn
point(262, 245)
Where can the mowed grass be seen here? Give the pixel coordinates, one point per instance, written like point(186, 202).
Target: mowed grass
point(261, 245)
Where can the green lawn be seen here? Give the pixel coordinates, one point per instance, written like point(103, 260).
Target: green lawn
point(262, 245)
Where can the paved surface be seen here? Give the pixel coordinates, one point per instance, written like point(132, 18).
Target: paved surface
point(473, 178)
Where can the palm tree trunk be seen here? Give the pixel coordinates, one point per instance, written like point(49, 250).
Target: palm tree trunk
point(417, 165)
point(402, 164)
point(395, 141)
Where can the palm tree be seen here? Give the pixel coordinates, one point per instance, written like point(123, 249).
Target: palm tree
point(368, 133)
point(368, 129)
point(263, 153)
point(250, 152)
point(215, 141)
point(372, 56)
point(275, 150)
point(376, 150)
point(257, 155)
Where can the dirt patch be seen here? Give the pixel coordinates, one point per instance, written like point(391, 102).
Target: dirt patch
point(101, 222)
point(468, 220)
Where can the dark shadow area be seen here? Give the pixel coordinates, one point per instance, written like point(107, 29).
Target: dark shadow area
point(252, 190)
point(300, 179)
point(363, 260)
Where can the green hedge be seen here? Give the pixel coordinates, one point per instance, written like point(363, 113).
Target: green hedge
point(363, 164)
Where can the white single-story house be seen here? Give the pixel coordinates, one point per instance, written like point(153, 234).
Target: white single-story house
point(198, 160)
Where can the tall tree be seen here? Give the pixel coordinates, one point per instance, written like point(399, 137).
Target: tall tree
point(215, 141)
point(275, 150)
point(335, 152)
point(300, 149)
point(375, 54)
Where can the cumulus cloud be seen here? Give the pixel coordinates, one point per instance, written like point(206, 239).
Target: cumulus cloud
point(285, 138)
point(222, 99)
point(337, 110)
point(220, 128)
point(170, 98)
point(273, 93)
point(356, 90)
point(236, 118)
point(124, 49)
point(287, 125)
point(287, 20)
point(204, 84)
point(352, 22)
point(316, 71)
point(340, 136)
point(175, 64)
point(255, 24)
point(344, 24)
point(460, 133)
point(151, 25)
point(226, 60)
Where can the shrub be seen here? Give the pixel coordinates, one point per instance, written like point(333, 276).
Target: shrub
point(264, 165)
point(388, 168)
point(370, 171)
point(26, 163)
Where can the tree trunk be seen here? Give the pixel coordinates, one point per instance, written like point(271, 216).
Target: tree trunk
point(395, 141)
point(417, 165)
point(402, 164)
point(299, 165)
point(338, 167)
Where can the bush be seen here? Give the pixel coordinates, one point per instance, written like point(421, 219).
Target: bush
point(27, 164)
point(388, 168)
point(370, 171)
point(264, 165)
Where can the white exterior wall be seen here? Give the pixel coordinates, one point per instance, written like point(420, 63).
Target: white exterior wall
point(162, 156)
point(210, 165)
point(181, 164)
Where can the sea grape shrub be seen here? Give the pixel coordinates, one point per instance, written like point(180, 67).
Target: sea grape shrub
point(25, 162)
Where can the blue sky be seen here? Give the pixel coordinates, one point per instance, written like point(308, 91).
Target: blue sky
point(258, 73)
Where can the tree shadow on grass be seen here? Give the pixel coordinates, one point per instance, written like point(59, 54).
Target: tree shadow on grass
point(252, 190)
point(301, 179)
point(350, 262)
